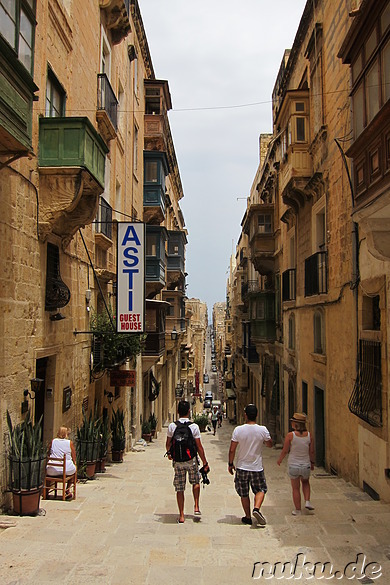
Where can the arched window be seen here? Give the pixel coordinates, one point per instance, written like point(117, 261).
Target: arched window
point(291, 332)
point(319, 332)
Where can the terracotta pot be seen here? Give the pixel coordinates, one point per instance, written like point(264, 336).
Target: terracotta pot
point(117, 456)
point(90, 469)
point(147, 437)
point(26, 502)
point(101, 465)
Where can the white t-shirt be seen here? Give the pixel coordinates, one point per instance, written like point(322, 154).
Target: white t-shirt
point(59, 448)
point(193, 426)
point(250, 439)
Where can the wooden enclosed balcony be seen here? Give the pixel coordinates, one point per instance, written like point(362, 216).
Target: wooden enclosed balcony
point(71, 175)
point(155, 262)
point(175, 259)
point(17, 93)
point(259, 227)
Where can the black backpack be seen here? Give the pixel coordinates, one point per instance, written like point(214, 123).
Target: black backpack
point(183, 446)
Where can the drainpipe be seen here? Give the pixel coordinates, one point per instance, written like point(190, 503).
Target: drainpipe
point(355, 252)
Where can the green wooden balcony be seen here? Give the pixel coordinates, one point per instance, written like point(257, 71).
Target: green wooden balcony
point(72, 142)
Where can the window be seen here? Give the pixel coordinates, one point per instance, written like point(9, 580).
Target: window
point(104, 224)
point(171, 308)
point(371, 313)
point(265, 224)
point(151, 171)
point(152, 242)
point(135, 150)
point(319, 332)
point(55, 97)
point(121, 108)
point(17, 26)
point(105, 56)
point(319, 225)
point(291, 332)
point(366, 399)
point(370, 75)
point(301, 133)
point(135, 79)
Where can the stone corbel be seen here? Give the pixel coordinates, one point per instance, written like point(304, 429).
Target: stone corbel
point(68, 200)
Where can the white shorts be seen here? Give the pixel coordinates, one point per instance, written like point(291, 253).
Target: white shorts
point(296, 471)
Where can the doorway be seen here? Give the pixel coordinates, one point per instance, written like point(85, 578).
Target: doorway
point(319, 418)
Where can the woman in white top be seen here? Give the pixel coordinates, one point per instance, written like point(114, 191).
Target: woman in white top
point(300, 446)
point(59, 447)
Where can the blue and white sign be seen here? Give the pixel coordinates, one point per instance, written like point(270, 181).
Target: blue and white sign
point(130, 300)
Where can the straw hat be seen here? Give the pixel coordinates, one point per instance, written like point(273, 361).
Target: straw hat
point(298, 417)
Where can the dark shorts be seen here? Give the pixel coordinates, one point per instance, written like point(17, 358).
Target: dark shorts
point(255, 479)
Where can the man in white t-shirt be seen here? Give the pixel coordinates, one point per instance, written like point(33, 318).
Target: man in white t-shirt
point(248, 440)
point(190, 467)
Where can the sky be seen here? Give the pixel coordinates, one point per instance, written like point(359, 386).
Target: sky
point(221, 59)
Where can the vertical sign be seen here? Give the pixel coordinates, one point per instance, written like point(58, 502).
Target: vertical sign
point(130, 299)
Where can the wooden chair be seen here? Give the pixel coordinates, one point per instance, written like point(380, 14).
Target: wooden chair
point(54, 483)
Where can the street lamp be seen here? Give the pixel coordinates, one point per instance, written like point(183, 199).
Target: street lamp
point(174, 334)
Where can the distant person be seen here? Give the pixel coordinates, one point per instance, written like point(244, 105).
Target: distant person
point(300, 446)
point(248, 439)
point(183, 444)
point(220, 417)
point(59, 447)
point(214, 418)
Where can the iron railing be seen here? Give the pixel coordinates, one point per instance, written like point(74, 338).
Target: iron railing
point(366, 399)
point(106, 99)
point(104, 225)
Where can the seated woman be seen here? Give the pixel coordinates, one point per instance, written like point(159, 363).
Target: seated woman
point(59, 447)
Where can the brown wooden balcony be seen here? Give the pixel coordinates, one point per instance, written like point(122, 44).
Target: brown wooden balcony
point(370, 154)
point(259, 226)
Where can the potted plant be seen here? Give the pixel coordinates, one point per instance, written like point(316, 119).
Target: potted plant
point(104, 435)
point(27, 460)
point(88, 445)
point(153, 424)
point(110, 348)
point(146, 431)
point(202, 421)
point(118, 435)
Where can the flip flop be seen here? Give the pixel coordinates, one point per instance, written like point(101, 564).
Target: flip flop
point(180, 521)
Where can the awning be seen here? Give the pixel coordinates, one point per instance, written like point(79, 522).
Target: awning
point(230, 394)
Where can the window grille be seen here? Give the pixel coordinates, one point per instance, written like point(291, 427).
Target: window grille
point(366, 399)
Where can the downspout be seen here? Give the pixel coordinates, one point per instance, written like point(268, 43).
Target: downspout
point(355, 253)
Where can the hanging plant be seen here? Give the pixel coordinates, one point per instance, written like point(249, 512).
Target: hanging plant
point(110, 348)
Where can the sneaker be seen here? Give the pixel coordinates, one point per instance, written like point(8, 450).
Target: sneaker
point(259, 517)
point(296, 512)
point(308, 506)
point(246, 520)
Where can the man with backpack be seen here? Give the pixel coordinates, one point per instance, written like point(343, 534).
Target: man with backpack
point(183, 445)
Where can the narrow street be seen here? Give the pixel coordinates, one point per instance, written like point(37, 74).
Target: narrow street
point(122, 528)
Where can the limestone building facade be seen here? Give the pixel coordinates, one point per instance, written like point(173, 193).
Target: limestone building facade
point(85, 144)
point(310, 285)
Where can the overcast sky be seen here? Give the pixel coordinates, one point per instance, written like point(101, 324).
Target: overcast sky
point(221, 59)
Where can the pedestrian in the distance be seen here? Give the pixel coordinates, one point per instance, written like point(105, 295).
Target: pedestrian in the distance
point(214, 418)
point(300, 446)
point(183, 444)
point(248, 440)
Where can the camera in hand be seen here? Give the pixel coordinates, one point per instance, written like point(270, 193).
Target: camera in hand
point(203, 473)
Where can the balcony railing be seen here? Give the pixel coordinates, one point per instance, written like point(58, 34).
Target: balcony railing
point(366, 398)
point(106, 99)
point(316, 280)
point(289, 285)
